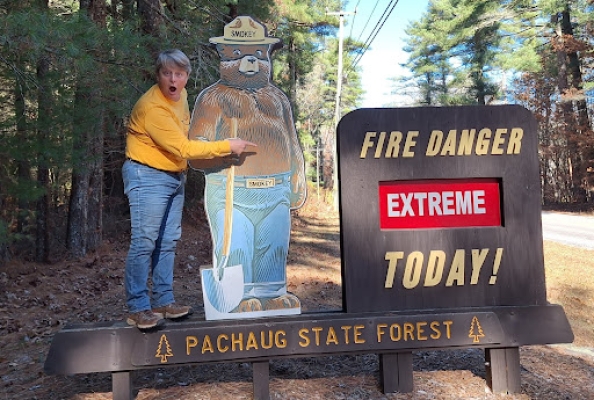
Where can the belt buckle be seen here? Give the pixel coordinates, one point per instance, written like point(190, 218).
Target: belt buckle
point(261, 183)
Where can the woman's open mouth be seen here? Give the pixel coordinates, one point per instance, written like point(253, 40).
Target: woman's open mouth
point(172, 89)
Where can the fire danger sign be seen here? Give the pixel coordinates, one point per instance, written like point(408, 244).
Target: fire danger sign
point(440, 208)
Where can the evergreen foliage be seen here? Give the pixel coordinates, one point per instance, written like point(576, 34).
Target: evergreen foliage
point(538, 53)
point(70, 73)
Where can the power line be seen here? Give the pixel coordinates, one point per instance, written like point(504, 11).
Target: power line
point(355, 17)
point(378, 26)
point(374, 32)
point(366, 23)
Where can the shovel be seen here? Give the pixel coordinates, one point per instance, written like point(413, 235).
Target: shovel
point(222, 285)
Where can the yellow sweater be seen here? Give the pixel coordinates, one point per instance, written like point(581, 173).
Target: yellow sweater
point(158, 130)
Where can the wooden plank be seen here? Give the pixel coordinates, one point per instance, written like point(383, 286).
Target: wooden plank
point(261, 375)
point(396, 372)
point(503, 370)
point(119, 347)
point(121, 386)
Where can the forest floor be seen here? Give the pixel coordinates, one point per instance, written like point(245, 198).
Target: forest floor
point(37, 300)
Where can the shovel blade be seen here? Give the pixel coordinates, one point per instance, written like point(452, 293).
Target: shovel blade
point(222, 294)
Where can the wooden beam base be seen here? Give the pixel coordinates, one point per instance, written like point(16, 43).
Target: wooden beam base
point(396, 372)
point(503, 370)
point(261, 380)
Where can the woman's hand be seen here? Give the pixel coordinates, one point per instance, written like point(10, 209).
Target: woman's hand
point(238, 145)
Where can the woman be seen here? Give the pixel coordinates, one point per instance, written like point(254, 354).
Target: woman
point(157, 150)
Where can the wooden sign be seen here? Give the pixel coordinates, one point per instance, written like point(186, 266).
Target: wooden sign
point(440, 208)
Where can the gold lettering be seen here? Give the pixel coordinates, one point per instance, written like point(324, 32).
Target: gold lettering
point(392, 257)
point(448, 324)
point(434, 143)
point(207, 345)
point(263, 340)
point(303, 334)
point(413, 269)
point(317, 331)
point(482, 144)
point(191, 342)
point(496, 264)
point(393, 147)
point(409, 144)
point(435, 266)
point(252, 342)
point(457, 269)
point(515, 141)
point(498, 141)
point(409, 330)
point(237, 342)
point(358, 333)
point(466, 141)
point(279, 339)
point(346, 333)
point(421, 330)
point(380, 145)
point(220, 347)
point(331, 337)
point(478, 259)
point(449, 146)
point(397, 328)
point(435, 328)
point(380, 331)
point(367, 144)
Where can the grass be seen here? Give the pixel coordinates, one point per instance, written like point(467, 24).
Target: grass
point(569, 272)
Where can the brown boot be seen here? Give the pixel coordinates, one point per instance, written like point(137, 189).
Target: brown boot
point(248, 305)
point(285, 301)
point(145, 320)
point(172, 311)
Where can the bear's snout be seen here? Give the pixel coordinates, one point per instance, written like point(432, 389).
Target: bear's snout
point(249, 65)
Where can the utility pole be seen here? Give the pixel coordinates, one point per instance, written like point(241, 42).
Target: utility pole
point(341, 14)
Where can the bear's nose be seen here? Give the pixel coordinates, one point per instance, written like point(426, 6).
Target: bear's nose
point(251, 59)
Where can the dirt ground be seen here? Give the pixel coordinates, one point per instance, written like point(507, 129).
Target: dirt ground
point(38, 300)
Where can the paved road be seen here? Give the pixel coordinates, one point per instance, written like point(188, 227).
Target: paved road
point(568, 229)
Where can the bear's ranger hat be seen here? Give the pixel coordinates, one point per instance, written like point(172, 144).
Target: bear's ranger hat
point(244, 30)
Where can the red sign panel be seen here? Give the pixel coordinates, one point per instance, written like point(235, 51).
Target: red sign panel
point(439, 204)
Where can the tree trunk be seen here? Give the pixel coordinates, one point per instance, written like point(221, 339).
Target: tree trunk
point(127, 9)
point(292, 74)
point(23, 166)
point(42, 236)
point(565, 58)
point(85, 226)
point(150, 15)
point(328, 159)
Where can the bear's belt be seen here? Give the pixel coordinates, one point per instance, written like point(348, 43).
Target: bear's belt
point(250, 183)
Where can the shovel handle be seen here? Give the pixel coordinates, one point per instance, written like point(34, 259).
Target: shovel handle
point(228, 222)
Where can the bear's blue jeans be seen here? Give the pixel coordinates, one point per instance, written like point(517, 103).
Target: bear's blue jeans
point(261, 232)
point(156, 203)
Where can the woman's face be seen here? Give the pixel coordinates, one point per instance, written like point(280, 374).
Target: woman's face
point(171, 80)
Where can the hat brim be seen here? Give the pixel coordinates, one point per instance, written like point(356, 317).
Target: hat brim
point(225, 40)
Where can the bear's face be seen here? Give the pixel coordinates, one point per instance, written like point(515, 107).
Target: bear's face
point(244, 66)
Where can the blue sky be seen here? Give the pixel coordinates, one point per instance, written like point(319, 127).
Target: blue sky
point(382, 60)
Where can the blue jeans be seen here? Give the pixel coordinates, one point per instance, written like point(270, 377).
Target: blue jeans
point(156, 203)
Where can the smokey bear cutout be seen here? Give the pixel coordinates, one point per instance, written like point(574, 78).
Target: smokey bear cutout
point(248, 199)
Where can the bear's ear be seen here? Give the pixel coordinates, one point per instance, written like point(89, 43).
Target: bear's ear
point(276, 46)
point(227, 51)
point(220, 48)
